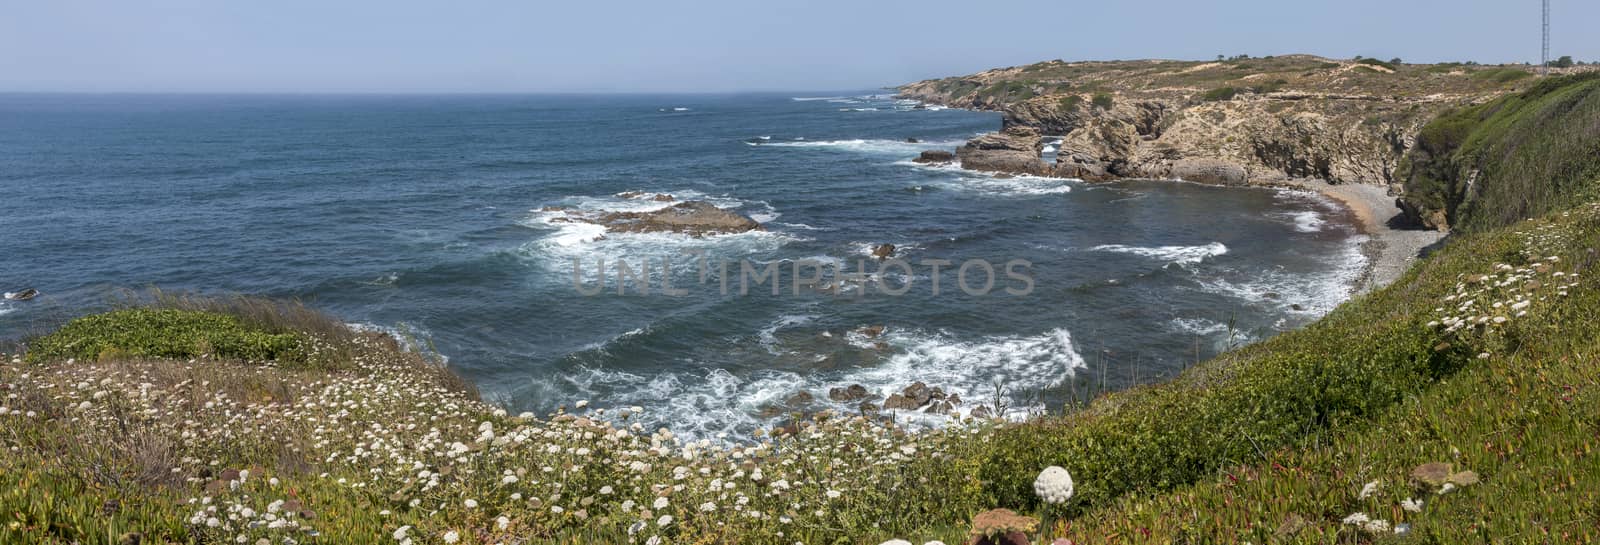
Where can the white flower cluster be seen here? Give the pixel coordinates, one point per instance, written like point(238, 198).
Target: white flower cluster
point(1484, 302)
point(1054, 485)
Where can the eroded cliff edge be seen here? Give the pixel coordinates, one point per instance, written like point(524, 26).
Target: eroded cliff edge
point(1258, 121)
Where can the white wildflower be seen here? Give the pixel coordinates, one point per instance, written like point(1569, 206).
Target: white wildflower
point(1054, 485)
point(1368, 490)
point(1412, 505)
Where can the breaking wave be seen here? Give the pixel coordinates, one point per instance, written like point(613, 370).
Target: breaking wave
point(1182, 255)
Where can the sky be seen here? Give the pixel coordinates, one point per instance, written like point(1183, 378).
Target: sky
point(518, 46)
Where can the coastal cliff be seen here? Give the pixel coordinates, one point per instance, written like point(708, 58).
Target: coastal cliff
point(1257, 121)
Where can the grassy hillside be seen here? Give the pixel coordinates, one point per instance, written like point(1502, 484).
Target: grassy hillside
point(1509, 159)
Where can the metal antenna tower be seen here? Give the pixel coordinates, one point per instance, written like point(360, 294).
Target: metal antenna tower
point(1544, 55)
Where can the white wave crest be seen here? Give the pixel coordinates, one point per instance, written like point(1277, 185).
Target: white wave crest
point(1307, 221)
point(1023, 365)
point(1182, 255)
point(874, 146)
point(702, 403)
point(769, 335)
point(1306, 296)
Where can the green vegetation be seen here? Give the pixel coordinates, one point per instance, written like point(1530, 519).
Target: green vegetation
point(164, 333)
point(1375, 62)
point(1519, 156)
point(1220, 94)
point(1502, 75)
point(1070, 102)
point(1564, 62)
point(1522, 418)
point(1102, 101)
point(1008, 91)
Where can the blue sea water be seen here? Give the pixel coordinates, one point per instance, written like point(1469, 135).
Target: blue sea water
point(423, 214)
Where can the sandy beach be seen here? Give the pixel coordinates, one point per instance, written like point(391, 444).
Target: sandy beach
point(1390, 251)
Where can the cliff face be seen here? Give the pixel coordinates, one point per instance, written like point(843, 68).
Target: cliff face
point(1243, 121)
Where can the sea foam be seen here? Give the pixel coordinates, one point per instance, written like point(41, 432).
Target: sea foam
point(1182, 255)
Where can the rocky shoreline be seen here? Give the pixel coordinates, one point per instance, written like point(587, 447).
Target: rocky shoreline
point(1336, 127)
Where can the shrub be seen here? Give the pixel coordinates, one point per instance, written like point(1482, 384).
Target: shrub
point(1220, 94)
point(1376, 62)
point(164, 333)
point(1070, 102)
point(1102, 101)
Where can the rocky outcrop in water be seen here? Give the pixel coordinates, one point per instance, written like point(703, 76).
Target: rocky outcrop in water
point(694, 218)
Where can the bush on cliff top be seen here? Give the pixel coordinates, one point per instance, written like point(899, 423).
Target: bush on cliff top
point(1220, 94)
point(164, 333)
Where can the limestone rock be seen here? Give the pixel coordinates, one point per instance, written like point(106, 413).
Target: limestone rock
point(935, 156)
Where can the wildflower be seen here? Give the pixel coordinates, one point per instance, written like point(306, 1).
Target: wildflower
point(1412, 505)
point(708, 507)
point(1054, 485)
point(833, 494)
point(452, 536)
point(664, 520)
point(1368, 490)
point(896, 542)
point(502, 523)
point(654, 540)
point(661, 503)
point(400, 533)
point(509, 479)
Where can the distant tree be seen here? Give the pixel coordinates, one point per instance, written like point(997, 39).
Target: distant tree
point(1396, 60)
point(1564, 62)
point(1358, 57)
point(1220, 57)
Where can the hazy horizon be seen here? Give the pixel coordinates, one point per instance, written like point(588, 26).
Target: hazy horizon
point(718, 46)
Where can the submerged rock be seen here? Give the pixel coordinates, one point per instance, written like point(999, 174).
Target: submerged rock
point(851, 393)
point(935, 156)
point(883, 251)
point(658, 197)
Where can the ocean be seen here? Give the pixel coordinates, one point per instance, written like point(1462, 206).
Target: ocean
point(426, 216)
